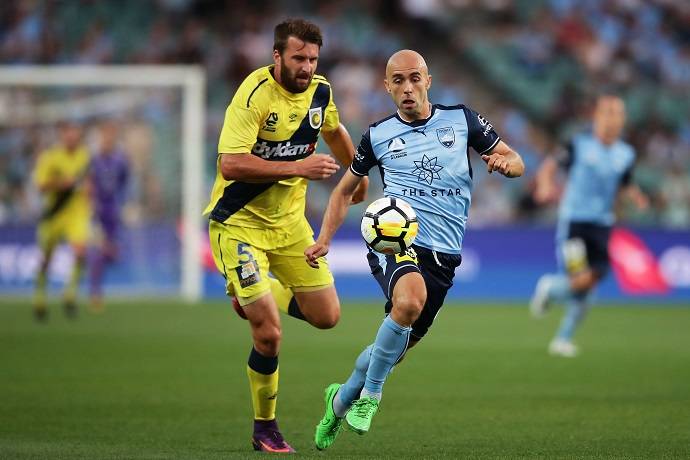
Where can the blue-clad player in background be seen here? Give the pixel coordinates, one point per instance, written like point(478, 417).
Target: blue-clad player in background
point(599, 167)
point(422, 152)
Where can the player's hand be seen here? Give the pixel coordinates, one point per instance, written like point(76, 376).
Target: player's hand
point(317, 167)
point(360, 193)
point(497, 162)
point(641, 201)
point(544, 194)
point(313, 252)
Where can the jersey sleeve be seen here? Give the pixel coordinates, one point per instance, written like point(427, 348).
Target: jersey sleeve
point(481, 135)
point(331, 118)
point(242, 121)
point(364, 157)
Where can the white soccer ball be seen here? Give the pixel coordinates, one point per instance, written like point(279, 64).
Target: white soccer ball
point(389, 225)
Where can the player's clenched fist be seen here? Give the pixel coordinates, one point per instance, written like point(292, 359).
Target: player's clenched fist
point(497, 162)
point(317, 167)
point(313, 252)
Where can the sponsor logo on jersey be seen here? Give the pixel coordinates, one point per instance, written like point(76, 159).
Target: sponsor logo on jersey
point(410, 255)
point(248, 273)
point(396, 145)
point(315, 117)
point(446, 136)
point(427, 169)
point(270, 123)
point(395, 148)
point(292, 117)
point(434, 192)
point(269, 149)
point(485, 124)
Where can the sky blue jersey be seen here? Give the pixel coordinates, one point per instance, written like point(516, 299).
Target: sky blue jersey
point(427, 164)
point(595, 173)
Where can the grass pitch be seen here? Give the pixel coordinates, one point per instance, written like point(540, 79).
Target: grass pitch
point(155, 380)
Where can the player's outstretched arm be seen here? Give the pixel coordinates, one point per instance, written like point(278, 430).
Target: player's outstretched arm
point(340, 143)
point(250, 168)
point(545, 190)
point(504, 160)
point(336, 211)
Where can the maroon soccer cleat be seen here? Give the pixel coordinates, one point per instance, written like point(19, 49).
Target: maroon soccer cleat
point(238, 308)
point(267, 438)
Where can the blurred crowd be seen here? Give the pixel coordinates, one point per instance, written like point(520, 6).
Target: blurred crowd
point(529, 66)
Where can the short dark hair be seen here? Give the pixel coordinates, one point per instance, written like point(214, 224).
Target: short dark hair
point(299, 28)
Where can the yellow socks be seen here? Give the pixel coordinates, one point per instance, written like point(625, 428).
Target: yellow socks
point(263, 384)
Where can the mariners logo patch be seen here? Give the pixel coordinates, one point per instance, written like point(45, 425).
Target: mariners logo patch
point(315, 118)
point(248, 273)
point(446, 136)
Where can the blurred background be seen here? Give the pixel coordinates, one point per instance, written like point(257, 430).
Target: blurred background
point(530, 67)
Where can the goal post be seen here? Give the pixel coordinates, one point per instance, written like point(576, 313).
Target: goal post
point(191, 80)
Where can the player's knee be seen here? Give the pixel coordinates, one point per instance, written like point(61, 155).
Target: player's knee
point(584, 281)
point(327, 319)
point(409, 305)
point(267, 340)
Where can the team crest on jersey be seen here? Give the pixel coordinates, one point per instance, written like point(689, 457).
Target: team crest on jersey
point(315, 117)
point(446, 136)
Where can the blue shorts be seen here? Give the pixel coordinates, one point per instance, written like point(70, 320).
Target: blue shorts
point(596, 241)
point(437, 269)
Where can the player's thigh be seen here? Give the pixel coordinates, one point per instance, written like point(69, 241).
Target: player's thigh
point(48, 235)
point(409, 297)
point(319, 305)
point(438, 271)
point(388, 269)
point(244, 267)
point(76, 232)
point(289, 266)
point(264, 320)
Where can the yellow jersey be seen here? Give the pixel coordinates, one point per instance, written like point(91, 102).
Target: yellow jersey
point(56, 163)
point(274, 124)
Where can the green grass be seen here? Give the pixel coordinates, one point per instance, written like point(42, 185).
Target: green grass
point(155, 380)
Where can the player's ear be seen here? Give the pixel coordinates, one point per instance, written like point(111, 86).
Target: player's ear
point(428, 82)
point(385, 83)
point(276, 57)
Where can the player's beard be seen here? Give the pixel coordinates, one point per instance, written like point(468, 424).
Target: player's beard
point(290, 82)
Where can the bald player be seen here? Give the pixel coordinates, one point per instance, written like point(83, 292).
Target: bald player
point(422, 151)
point(599, 166)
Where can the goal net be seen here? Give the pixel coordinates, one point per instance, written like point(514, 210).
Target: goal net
point(158, 114)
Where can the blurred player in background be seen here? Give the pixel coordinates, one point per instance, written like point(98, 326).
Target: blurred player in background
point(599, 167)
point(61, 175)
point(422, 151)
point(109, 177)
point(257, 223)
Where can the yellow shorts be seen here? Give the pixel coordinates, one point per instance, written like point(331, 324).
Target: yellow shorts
point(70, 227)
point(246, 267)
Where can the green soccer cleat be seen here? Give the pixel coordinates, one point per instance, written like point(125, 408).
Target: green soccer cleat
point(329, 426)
point(360, 414)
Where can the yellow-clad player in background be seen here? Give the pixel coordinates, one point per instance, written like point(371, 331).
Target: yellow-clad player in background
point(257, 223)
point(61, 177)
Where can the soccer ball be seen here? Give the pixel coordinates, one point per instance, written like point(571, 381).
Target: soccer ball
point(389, 225)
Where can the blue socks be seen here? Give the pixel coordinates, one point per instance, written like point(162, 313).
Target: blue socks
point(349, 391)
point(576, 310)
point(389, 346)
point(559, 288)
point(373, 365)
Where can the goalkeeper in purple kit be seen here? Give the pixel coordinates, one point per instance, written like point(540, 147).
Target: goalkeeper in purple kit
point(109, 176)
